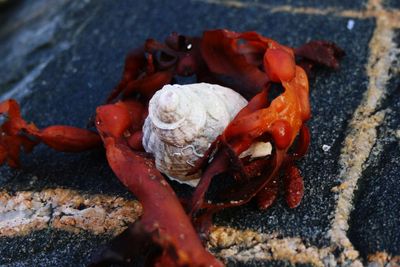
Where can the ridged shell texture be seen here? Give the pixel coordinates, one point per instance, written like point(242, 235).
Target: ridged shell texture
point(183, 121)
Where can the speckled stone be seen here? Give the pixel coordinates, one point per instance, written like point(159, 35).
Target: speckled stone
point(356, 5)
point(375, 221)
point(61, 76)
point(392, 3)
point(49, 248)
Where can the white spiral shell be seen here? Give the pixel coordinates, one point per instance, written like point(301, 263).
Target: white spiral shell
point(183, 121)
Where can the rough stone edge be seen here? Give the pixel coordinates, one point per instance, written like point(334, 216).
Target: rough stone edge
point(245, 246)
point(65, 209)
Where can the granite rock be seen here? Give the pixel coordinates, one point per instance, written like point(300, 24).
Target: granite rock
point(62, 58)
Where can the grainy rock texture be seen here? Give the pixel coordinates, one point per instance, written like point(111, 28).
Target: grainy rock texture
point(61, 58)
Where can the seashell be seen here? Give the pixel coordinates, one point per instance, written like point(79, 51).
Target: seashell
point(182, 123)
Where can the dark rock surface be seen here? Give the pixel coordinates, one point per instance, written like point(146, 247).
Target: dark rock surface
point(392, 3)
point(64, 57)
point(357, 4)
point(49, 248)
point(375, 221)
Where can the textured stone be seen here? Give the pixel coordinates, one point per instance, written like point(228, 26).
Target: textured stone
point(392, 3)
point(375, 221)
point(63, 58)
point(49, 248)
point(357, 4)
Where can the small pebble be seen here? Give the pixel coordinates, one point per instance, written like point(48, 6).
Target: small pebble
point(350, 24)
point(326, 148)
